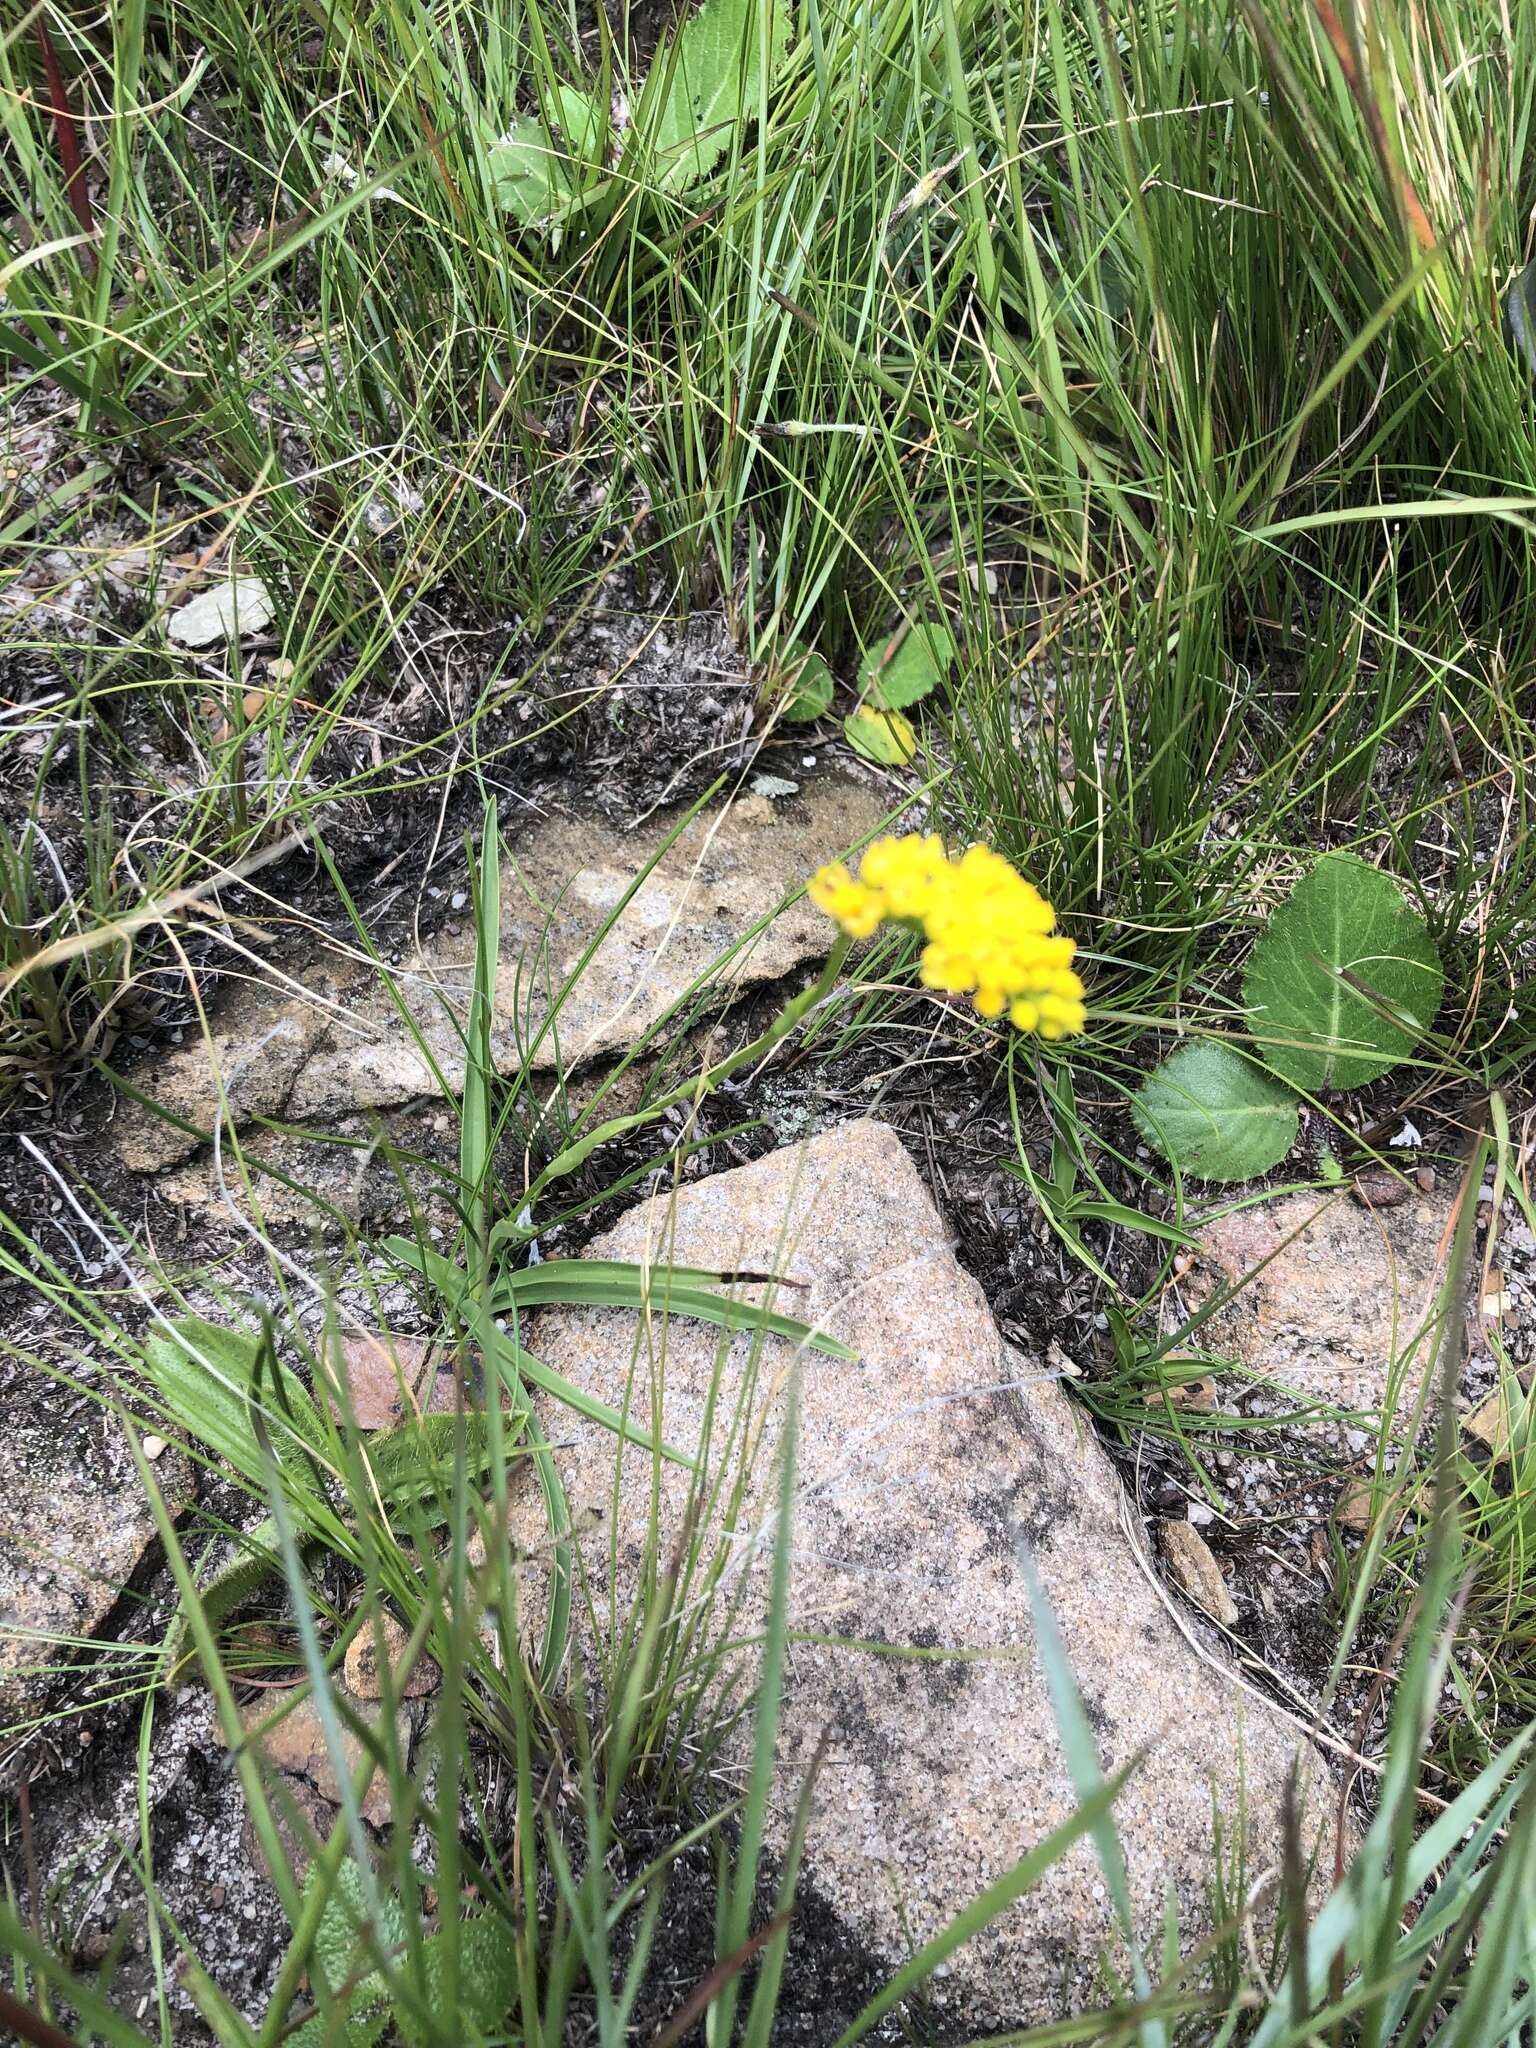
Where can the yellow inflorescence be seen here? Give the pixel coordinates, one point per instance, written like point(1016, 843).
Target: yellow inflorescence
point(991, 935)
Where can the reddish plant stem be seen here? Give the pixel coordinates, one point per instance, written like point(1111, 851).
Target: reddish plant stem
point(66, 127)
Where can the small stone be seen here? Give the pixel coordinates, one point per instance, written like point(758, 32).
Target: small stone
point(1360, 1502)
point(1381, 1190)
point(297, 1748)
point(1493, 1423)
point(1197, 1396)
point(388, 1377)
point(239, 606)
point(1497, 1302)
point(1195, 1571)
point(1058, 1362)
point(154, 1447)
point(362, 1671)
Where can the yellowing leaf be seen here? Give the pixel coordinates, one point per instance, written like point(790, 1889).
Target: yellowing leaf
point(884, 737)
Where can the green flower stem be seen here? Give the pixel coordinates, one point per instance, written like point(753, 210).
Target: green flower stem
point(575, 1156)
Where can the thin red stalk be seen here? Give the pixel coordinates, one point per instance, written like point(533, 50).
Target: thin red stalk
point(66, 127)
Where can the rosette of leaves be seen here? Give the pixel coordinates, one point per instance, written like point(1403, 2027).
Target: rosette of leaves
point(702, 85)
point(363, 2001)
point(896, 674)
point(1342, 985)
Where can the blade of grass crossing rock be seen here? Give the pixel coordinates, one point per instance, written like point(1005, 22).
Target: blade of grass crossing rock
point(301, 1605)
point(475, 1115)
point(1091, 1813)
point(1429, 1649)
point(765, 1993)
point(507, 1361)
point(1087, 1777)
point(736, 1920)
point(458, 1294)
point(476, 1160)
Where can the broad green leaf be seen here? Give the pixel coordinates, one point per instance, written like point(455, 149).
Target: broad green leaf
point(487, 1978)
point(909, 666)
point(413, 1462)
point(1345, 980)
point(339, 1950)
point(340, 1956)
point(884, 737)
point(1216, 1114)
point(711, 82)
point(533, 166)
point(360, 2029)
point(205, 1376)
point(806, 684)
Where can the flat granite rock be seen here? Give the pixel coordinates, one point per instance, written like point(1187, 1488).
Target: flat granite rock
point(1335, 1299)
point(346, 1048)
point(75, 1525)
point(927, 1472)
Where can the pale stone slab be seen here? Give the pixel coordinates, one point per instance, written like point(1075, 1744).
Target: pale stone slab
point(1335, 1299)
point(928, 1470)
point(349, 1049)
point(75, 1524)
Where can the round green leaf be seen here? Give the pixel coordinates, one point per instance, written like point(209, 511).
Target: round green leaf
point(532, 164)
point(884, 737)
point(907, 667)
point(1216, 1114)
point(1345, 980)
point(807, 684)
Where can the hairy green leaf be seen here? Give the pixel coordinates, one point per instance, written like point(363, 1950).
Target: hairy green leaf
point(909, 666)
point(487, 1979)
point(534, 165)
point(807, 686)
point(711, 81)
point(206, 1376)
point(1345, 980)
point(1216, 1114)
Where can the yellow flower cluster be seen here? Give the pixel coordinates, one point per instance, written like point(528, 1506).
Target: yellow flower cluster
point(991, 935)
